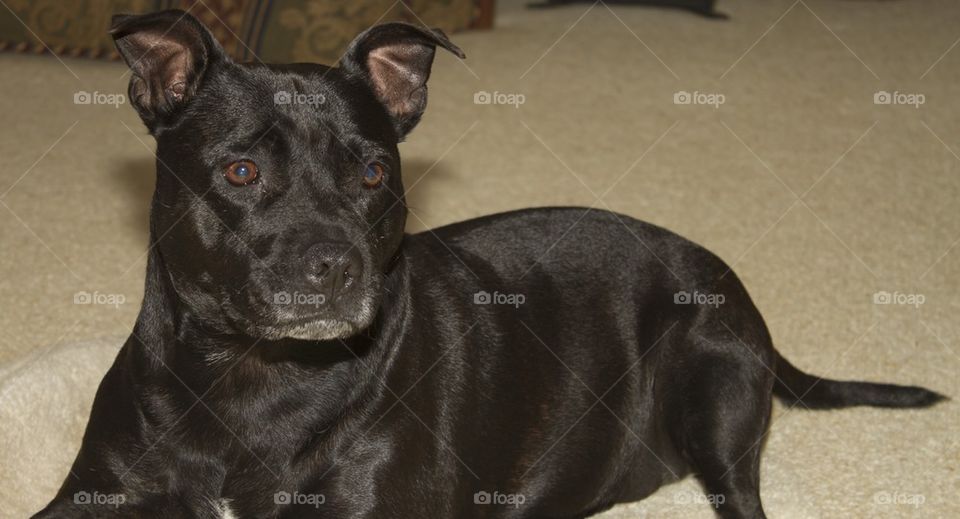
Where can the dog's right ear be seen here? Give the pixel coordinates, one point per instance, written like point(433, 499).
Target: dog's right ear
point(168, 53)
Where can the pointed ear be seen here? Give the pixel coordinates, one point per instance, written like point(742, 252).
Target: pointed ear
point(168, 53)
point(395, 60)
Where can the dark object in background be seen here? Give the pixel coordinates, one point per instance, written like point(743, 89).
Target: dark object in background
point(702, 7)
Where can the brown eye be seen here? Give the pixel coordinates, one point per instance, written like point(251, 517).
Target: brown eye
point(373, 174)
point(241, 173)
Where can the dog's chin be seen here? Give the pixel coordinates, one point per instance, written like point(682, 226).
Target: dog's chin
point(319, 330)
point(306, 323)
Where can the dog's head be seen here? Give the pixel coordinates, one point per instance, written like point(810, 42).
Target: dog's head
point(279, 203)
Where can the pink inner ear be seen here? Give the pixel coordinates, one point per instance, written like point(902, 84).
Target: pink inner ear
point(395, 80)
point(175, 78)
point(169, 59)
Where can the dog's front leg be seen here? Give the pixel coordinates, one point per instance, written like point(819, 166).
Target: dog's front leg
point(119, 470)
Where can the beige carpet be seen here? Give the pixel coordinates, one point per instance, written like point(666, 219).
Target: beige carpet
point(820, 198)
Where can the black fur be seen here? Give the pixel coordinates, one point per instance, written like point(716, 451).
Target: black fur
point(406, 392)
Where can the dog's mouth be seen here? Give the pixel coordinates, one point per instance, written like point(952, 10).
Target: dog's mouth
point(305, 322)
point(266, 311)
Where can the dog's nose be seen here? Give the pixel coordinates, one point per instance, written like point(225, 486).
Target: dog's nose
point(332, 267)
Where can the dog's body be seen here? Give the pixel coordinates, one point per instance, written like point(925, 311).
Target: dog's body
point(541, 363)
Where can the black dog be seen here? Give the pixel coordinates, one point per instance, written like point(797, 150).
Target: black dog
point(298, 355)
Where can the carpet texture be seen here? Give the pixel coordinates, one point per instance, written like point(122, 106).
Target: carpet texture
point(767, 138)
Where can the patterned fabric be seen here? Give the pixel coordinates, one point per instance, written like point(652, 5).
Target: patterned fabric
point(271, 31)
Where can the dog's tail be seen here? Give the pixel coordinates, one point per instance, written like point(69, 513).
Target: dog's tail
point(795, 387)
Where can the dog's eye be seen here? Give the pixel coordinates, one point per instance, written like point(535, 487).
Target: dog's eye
point(241, 173)
point(373, 174)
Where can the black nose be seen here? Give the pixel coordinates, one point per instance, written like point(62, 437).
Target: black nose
point(332, 267)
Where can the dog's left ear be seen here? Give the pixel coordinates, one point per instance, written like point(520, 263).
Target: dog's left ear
point(395, 60)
